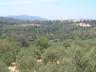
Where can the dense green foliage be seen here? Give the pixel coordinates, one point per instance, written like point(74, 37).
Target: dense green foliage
point(3, 67)
point(54, 46)
point(42, 42)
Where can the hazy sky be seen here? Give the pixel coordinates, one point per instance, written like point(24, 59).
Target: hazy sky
point(51, 9)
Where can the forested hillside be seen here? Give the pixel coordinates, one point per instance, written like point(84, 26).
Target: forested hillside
point(48, 46)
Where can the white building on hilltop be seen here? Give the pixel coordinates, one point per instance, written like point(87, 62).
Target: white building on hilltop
point(84, 25)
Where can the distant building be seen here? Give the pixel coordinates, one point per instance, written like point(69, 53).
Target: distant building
point(76, 20)
point(28, 25)
point(84, 25)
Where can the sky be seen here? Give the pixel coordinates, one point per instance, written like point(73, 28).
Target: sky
point(50, 9)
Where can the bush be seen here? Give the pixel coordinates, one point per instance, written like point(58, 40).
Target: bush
point(82, 63)
point(53, 54)
point(26, 59)
point(8, 50)
point(42, 42)
point(26, 64)
point(24, 42)
point(49, 68)
point(3, 67)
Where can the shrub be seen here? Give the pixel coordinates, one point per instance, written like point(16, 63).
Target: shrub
point(53, 54)
point(26, 59)
point(8, 50)
point(3, 67)
point(42, 42)
point(26, 63)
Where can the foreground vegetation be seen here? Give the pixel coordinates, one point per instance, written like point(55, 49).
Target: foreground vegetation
point(55, 46)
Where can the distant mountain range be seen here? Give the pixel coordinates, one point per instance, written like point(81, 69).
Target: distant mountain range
point(19, 19)
point(26, 17)
point(5, 20)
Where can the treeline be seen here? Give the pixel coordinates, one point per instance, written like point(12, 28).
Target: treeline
point(45, 56)
point(55, 46)
point(53, 30)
